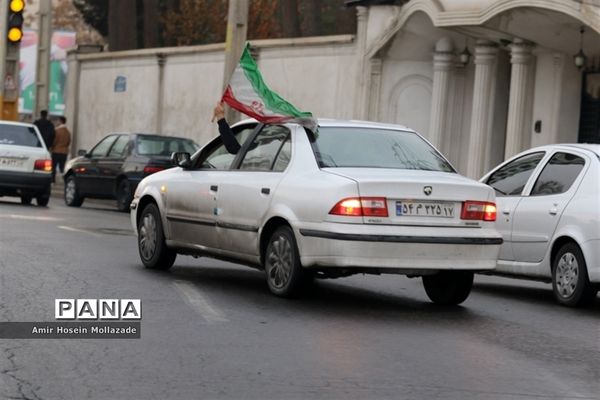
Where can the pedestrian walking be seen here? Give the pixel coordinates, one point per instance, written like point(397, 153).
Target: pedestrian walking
point(46, 128)
point(60, 147)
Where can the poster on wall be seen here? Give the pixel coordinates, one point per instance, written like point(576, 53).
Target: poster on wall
point(62, 41)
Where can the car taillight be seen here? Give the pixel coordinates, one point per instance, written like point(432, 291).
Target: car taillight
point(478, 210)
point(361, 206)
point(43, 165)
point(150, 170)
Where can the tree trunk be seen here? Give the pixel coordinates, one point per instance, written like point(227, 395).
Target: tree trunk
point(290, 23)
point(122, 24)
point(311, 18)
point(346, 20)
point(151, 23)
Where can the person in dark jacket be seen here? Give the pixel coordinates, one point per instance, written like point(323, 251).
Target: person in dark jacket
point(46, 128)
point(231, 144)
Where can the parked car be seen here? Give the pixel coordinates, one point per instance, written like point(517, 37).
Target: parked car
point(357, 197)
point(25, 164)
point(549, 203)
point(116, 164)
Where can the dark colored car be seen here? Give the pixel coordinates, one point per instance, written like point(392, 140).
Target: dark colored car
point(116, 164)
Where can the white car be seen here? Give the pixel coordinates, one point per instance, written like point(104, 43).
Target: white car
point(549, 203)
point(25, 163)
point(357, 197)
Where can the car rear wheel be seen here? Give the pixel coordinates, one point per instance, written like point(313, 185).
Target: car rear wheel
point(570, 281)
point(285, 275)
point(43, 199)
point(448, 287)
point(72, 197)
point(124, 195)
point(151, 240)
point(26, 200)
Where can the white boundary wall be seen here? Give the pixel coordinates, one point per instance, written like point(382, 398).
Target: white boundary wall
point(315, 74)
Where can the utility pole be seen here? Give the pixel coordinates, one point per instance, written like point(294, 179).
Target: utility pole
point(3, 43)
point(237, 32)
point(42, 85)
point(11, 32)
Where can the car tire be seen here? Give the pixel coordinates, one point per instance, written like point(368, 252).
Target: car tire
point(26, 200)
point(153, 250)
point(570, 281)
point(124, 195)
point(285, 275)
point(448, 287)
point(43, 199)
point(71, 192)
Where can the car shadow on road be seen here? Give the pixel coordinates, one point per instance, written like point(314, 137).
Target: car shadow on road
point(321, 299)
point(540, 296)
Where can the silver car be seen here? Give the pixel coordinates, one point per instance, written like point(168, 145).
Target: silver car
point(356, 197)
point(549, 199)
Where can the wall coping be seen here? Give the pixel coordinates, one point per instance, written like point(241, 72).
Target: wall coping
point(216, 47)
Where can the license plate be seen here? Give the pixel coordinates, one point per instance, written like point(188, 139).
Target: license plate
point(11, 162)
point(425, 209)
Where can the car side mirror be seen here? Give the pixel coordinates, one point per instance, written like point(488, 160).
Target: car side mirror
point(81, 152)
point(181, 159)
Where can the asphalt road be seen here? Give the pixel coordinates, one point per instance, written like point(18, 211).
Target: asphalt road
point(211, 330)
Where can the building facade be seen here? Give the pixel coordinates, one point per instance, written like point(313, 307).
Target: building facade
point(481, 79)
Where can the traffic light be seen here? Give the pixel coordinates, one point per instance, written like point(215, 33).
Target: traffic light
point(14, 31)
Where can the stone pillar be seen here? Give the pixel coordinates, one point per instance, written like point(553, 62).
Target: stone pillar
point(486, 54)
point(374, 88)
point(361, 98)
point(443, 64)
point(72, 100)
point(518, 125)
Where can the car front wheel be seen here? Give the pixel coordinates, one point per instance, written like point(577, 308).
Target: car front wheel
point(72, 197)
point(151, 240)
point(448, 287)
point(285, 275)
point(570, 281)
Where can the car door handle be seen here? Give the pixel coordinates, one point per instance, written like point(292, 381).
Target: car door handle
point(553, 211)
point(214, 188)
point(265, 191)
point(506, 211)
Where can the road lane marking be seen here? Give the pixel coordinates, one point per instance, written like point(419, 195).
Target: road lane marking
point(29, 217)
point(194, 297)
point(71, 229)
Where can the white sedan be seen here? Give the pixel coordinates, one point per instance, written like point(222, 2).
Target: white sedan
point(356, 197)
point(25, 164)
point(549, 203)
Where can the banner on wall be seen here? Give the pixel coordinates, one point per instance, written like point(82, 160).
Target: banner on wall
point(62, 41)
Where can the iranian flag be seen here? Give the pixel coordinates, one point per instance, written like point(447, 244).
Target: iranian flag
point(248, 93)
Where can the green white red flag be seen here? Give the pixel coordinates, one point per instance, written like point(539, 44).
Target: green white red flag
point(248, 93)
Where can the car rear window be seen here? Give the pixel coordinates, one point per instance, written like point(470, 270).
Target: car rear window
point(19, 136)
point(376, 148)
point(164, 145)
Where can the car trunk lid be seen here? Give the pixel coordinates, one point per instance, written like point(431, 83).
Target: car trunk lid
point(416, 197)
point(21, 158)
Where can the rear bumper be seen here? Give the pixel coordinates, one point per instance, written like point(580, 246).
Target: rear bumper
point(592, 259)
point(12, 183)
point(408, 248)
